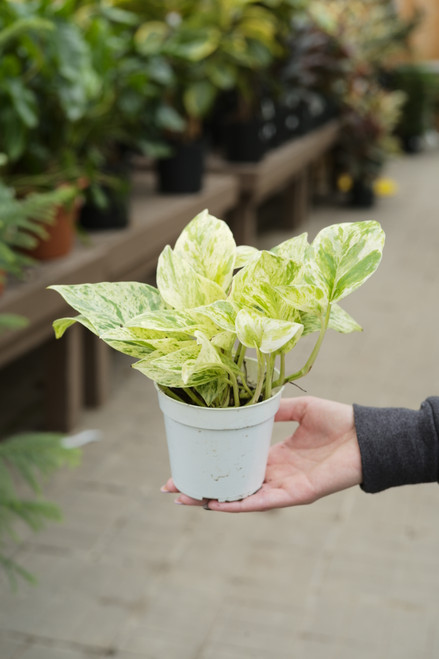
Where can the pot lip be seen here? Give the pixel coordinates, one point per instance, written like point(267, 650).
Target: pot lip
point(189, 406)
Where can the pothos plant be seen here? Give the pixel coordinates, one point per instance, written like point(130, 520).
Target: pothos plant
point(217, 304)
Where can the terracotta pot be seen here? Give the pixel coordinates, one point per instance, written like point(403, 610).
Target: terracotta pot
point(61, 234)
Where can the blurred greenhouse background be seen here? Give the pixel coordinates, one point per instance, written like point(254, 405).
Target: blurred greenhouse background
point(120, 120)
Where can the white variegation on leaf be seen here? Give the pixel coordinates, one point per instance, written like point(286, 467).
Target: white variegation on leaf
point(268, 335)
point(293, 249)
point(110, 304)
point(244, 254)
point(181, 286)
point(344, 256)
point(207, 244)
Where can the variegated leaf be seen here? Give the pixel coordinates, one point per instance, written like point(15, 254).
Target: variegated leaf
point(214, 392)
point(244, 254)
point(339, 320)
point(171, 321)
point(255, 286)
point(110, 304)
point(167, 369)
point(293, 249)
point(304, 297)
point(62, 324)
point(266, 334)
point(222, 313)
point(181, 286)
point(344, 256)
point(207, 244)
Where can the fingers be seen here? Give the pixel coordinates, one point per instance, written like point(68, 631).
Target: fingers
point(292, 409)
point(169, 486)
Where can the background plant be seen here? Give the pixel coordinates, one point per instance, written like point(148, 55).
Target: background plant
point(26, 461)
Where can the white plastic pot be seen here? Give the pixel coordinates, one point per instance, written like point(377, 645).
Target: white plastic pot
point(218, 453)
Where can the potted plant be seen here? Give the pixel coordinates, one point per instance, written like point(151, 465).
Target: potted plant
point(215, 333)
point(42, 99)
point(128, 117)
point(24, 224)
point(369, 116)
point(26, 460)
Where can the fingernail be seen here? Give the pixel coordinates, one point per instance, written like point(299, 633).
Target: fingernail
point(164, 490)
point(178, 502)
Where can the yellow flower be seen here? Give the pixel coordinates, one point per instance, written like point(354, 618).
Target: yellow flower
point(385, 187)
point(344, 183)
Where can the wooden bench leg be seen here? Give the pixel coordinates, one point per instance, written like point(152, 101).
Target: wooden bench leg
point(244, 219)
point(295, 201)
point(96, 370)
point(64, 381)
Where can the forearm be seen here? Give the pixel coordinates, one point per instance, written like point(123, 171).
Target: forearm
point(398, 446)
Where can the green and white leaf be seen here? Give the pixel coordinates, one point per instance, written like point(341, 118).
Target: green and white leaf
point(173, 322)
point(62, 324)
point(339, 320)
point(222, 313)
point(167, 369)
point(265, 334)
point(304, 297)
point(254, 286)
point(181, 286)
point(207, 244)
point(293, 249)
point(109, 304)
point(344, 256)
point(244, 254)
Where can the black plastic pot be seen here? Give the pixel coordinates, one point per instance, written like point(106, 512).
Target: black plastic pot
point(182, 172)
point(361, 195)
point(108, 206)
point(245, 141)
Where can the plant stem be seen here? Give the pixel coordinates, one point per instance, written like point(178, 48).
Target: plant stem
point(269, 376)
point(242, 350)
point(311, 359)
point(281, 379)
point(172, 394)
point(259, 385)
point(197, 400)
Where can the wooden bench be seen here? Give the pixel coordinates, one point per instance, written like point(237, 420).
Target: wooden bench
point(283, 169)
point(76, 367)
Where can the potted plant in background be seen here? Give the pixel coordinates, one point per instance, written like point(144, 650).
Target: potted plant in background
point(26, 460)
point(42, 98)
point(369, 117)
point(420, 85)
point(127, 118)
point(216, 346)
point(24, 223)
point(185, 44)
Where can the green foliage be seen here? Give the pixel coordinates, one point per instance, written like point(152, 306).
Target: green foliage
point(22, 223)
point(192, 338)
point(26, 461)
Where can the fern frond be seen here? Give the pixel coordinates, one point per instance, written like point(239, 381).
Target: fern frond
point(34, 456)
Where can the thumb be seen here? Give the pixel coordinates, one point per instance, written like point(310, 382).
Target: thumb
point(292, 409)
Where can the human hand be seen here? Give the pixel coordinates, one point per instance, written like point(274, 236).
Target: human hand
point(321, 457)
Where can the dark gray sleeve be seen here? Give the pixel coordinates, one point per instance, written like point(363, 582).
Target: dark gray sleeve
point(398, 446)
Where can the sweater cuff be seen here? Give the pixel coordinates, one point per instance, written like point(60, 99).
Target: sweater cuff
point(398, 446)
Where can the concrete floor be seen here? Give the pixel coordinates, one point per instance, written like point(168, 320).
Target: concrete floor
point(130, 575)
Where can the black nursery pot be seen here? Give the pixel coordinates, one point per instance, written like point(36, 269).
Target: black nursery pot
point(115, 215)
point(182, 172)
point(245, 140)
point(361, 194)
